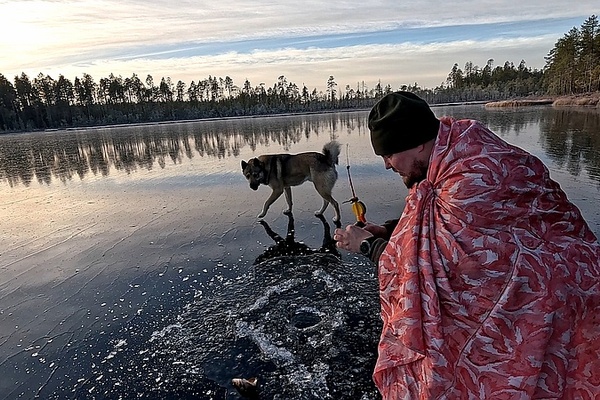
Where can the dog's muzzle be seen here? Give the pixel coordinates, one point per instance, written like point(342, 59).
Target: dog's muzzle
point(254, 186)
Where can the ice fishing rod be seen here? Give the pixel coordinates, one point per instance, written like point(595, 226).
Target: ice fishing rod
point(358, 207)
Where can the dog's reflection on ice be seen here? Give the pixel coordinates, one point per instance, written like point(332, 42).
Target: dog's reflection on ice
point(288, 246)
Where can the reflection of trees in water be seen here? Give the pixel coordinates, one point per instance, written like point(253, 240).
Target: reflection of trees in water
point(62, 155)
point(502, 123)
point(501, 120)
point(571, 138)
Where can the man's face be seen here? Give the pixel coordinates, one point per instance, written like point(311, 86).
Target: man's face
point(407, 163)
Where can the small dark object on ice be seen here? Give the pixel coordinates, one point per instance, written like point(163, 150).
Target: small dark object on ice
point(246, 387)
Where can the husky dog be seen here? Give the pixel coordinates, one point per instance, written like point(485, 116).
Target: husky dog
point(282, 171)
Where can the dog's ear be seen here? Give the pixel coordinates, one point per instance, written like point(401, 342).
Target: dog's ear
point(244, 164)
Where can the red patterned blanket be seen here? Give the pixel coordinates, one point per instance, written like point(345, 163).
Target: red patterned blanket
point(490, 284)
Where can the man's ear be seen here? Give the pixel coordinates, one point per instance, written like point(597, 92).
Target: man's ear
point(244, 164)
point(426, 147)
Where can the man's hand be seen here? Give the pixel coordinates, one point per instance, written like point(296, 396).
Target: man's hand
point(350, 238)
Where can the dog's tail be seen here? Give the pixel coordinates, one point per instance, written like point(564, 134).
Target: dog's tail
point(331, 151)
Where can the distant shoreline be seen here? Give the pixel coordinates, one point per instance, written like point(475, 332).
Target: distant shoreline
point(589, 100)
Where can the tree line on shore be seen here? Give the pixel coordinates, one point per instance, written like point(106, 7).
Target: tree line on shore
point(572, 66)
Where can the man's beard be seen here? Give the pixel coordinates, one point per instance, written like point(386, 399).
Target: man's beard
point(417, 174)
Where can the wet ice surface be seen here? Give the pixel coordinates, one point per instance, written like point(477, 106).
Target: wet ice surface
point(299, 318)
point(147, 275)
point(306, 326)
point(149, 292)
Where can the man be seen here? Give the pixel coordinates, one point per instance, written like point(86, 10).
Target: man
point(490, 279)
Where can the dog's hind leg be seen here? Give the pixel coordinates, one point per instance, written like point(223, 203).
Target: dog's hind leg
point(274, 196)
point(327, 198)
point(322, 210)
point(288, 198)
point(336, 206)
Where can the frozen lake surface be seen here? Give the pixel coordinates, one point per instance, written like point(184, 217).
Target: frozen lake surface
point(132, 263)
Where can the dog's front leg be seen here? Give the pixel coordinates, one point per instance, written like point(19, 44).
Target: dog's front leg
point(274, 196)
point(288, 198)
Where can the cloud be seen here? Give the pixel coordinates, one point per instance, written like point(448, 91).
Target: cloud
point(394, 64)
point(313, 39)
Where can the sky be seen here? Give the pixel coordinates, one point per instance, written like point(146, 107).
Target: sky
point(394, 42)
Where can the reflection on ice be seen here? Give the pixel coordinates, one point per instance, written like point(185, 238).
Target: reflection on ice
point(288, 246)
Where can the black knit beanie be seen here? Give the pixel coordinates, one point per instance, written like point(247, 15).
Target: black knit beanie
point(401, 121)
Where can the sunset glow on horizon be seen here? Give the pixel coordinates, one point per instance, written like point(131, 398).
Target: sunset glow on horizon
point(306, 42)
